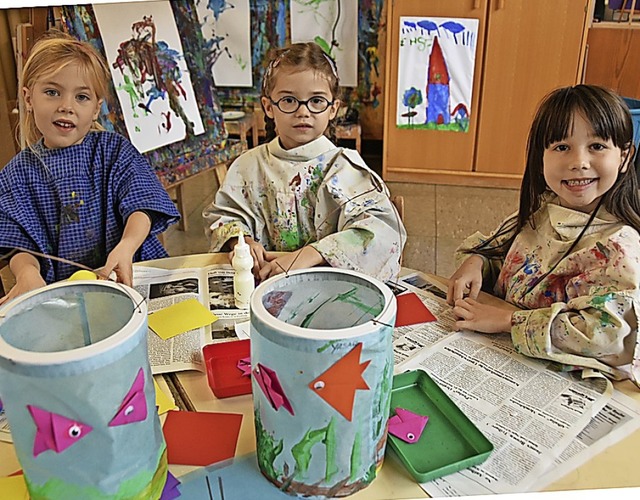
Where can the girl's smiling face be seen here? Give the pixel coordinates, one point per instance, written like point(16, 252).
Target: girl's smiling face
point(64, 106)
point(300, 127)
point(581, 168)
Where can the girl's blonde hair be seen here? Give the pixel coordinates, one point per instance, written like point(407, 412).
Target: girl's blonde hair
point(49, 55)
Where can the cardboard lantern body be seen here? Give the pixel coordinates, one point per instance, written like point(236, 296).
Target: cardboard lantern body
point(322, 367)
point(77, 389)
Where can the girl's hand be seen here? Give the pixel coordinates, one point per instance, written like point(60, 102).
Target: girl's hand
point(304, 258)
point(466, 281)
point(481, 317)
point(26, 268)
point(258, 253)
point(27, 281)
point(120, 261)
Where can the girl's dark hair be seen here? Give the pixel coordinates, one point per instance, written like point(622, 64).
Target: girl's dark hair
point(299, 57)
point(610, 118)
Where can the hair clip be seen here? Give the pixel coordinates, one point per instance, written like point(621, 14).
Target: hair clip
point(272, 64)
point(332, 63)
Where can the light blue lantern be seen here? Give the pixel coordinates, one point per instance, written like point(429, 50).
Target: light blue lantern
point(78, 392)
point(322, 367)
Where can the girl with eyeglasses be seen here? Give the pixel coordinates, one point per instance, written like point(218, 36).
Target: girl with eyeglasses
point(299, 193)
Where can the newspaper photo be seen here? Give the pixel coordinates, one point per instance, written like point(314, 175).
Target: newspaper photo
point(212, 286)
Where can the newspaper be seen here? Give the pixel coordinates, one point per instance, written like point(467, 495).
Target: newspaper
point(409, 340)
point(529, 412)
point(212, 286)
point(616, 421)
point(5, 432)
point(541, 422)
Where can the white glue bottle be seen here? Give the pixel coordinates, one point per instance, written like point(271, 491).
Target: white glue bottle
point(243, 281)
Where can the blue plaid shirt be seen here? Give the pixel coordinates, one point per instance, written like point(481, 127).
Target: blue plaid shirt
point(73, 202)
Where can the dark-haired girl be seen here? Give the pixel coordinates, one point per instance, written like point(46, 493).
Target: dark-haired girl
point(569, 259)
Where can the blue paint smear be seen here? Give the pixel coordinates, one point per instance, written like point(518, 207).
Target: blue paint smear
point(438, 99)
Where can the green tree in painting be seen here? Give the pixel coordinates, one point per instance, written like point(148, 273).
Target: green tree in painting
point(411, 99)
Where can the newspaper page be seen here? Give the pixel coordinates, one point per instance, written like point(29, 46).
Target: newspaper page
point(528, 411)
point(617, 420)
point(213, 287)
point(5, 432)
point(409, 340)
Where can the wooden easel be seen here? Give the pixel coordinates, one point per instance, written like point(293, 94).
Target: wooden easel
point(26, 35)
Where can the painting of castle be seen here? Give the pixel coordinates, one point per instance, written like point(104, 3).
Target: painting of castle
point(435, 73)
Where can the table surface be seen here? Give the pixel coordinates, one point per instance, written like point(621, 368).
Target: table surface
point(614, 467)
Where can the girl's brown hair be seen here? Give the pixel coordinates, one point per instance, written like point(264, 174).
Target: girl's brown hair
point(50, 54)
point(299, 57)
point(610, 119)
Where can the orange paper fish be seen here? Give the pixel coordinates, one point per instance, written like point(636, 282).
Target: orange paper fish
point(338, 384)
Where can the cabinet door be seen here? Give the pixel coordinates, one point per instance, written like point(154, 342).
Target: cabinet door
point(531, 48)
point(612, 60)
point(409, 152)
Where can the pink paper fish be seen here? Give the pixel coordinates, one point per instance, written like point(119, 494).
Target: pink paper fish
point(55, 432)
point(270, 385)
point(407, 425)
point(134, 405)
point(244, 365)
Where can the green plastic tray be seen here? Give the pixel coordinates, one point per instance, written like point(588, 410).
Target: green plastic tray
point(450, 441)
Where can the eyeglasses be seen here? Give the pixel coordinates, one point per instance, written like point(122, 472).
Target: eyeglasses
point(290, 104)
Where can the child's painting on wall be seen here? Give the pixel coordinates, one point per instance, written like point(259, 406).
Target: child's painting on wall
point(226, 29)
point(435, 73)
point(149, 72)
point(332, 24)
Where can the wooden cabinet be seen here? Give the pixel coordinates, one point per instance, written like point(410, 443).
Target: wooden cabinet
point(613, 57)
point(524, 49)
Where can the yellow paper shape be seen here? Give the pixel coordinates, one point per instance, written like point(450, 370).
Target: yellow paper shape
point(163, 402)
point(14, 488)
point(179, 318)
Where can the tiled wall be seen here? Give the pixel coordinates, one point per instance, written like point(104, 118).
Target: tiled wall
point(438, 218)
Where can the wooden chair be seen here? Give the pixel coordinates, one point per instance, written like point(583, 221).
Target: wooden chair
point(398, 202)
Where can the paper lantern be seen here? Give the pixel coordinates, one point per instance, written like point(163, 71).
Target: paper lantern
point(77, 389)
point(322, 368)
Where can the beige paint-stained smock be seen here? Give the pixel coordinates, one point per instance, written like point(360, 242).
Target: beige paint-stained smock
point(584, 313)
point(316, 193)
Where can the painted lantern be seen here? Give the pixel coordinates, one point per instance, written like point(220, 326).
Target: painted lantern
point(77, 389)
point(322, 369)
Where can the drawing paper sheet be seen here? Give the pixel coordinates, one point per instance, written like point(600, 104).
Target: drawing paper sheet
point(311, 19)
point(155, 112)
point(201, 438)
point(226, 26)
point(452, 59)
point(180, 317)
point(411, 310)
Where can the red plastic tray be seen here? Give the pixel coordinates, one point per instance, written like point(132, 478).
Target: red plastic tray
point(223, 374)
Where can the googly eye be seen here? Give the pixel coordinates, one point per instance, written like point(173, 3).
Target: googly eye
point(75, 431)
point(129, 410)
point(411, 436)
point(319, 385)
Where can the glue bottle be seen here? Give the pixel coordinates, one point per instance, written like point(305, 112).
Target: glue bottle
point(243, 282)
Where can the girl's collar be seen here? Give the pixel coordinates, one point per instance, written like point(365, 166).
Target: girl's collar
point(307, 151)
point(39, 148)
point(568, 217)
